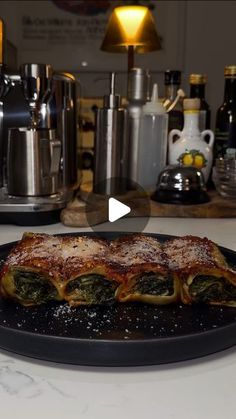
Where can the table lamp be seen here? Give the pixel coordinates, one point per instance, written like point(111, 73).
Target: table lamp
point(131, 29)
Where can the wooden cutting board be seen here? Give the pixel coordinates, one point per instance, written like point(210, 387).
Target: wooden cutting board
point(94, 207)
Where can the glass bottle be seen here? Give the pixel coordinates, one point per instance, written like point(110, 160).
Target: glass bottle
point(225, 133)
point(197, 90)
point(172, 85)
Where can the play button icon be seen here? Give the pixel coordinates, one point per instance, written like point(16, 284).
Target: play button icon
point(116, 210)
point(109, 208)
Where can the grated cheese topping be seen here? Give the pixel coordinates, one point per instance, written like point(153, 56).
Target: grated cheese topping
point(68, 253)
point(190, 251)
point(39, 246)
point(137, 249)
point(83, 247)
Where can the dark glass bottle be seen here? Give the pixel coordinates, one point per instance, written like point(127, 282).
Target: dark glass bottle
point(225, 133)
point(197, 90)
point(172, 85)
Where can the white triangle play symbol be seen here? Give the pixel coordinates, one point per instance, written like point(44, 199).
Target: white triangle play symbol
point(116, 210)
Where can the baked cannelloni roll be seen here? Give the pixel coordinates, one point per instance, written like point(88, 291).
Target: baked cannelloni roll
point(202, 271)
point(31, 273)
point(87, 271)
point(140, 261)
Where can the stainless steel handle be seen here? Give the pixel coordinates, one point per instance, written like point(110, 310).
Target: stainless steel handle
point(55, 152)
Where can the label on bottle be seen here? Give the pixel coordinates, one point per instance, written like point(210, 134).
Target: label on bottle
point(176, 120)
point(221, 143)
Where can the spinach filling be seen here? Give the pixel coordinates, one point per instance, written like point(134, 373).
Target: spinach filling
point(154, 284)
point(33, 287)
point(206, 288)
point(92, 289)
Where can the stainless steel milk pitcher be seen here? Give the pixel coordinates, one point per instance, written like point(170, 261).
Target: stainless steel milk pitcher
point(33, 162)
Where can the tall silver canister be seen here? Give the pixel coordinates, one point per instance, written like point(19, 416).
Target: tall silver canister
point(4, 87)
point(111, 145)
point(63, 112)
point(138, 84)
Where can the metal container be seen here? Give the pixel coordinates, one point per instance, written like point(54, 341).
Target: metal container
point(138, 79)
point(137, 97)
point(110, 174)
point(4, 88)
point(63, 112)
point(181, 185)
point(33, 162)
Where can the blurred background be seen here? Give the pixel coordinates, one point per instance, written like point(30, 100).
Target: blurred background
point(196, 37)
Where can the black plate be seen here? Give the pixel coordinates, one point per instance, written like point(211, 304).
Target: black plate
point(120, 335)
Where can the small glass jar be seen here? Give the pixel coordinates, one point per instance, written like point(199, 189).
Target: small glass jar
point(224, 176)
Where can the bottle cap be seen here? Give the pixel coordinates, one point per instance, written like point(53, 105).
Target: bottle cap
point(154, 106)
point(230, 71)
point(197, 79)
point(191, 104)
point(172, 77)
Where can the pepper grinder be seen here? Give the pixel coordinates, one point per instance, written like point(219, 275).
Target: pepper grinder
point(111, 137)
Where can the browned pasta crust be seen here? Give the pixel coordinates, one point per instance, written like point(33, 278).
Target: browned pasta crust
point(85, 270)
point(88, 272)
point(202, 271)
point(143, 265)
point(35, 259)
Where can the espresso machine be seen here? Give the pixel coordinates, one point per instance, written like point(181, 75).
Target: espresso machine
point(38, 144)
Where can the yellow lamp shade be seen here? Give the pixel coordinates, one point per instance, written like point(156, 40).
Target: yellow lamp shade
point(131, 26)
point(1, 41)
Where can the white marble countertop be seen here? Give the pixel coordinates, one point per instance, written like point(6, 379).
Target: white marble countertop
point(201, 388)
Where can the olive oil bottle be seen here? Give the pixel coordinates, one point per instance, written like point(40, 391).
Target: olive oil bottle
point(172, 85)
point(225, 133)
point(197, 90)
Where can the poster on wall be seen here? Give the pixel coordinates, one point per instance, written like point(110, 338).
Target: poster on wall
point(68, 33)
